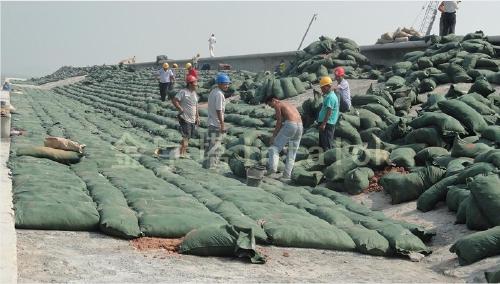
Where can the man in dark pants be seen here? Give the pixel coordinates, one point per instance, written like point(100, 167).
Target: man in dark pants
point(166, 78)
point(328, 115)
point(448, 11)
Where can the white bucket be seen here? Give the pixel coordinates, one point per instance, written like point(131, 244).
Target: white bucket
point(5, 125)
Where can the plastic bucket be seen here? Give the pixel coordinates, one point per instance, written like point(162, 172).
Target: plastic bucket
point(5, 125)
point(255, 175)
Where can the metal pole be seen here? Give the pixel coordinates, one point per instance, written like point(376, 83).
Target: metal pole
point(310, 23)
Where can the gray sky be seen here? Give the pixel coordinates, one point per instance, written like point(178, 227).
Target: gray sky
point(39, 37)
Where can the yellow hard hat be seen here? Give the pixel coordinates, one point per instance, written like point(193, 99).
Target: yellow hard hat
point(188, 65)
point(326, 80)
point(165, 65)
point(175, 65)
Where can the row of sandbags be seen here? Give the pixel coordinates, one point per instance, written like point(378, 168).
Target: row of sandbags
point(400, 35)
point(449, 59)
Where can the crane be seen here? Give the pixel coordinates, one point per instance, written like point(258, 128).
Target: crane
point(429, 17)
point(314, 17)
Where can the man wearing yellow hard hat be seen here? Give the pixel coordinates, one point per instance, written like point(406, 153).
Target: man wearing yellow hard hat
point(328, 115)
point(166, 77)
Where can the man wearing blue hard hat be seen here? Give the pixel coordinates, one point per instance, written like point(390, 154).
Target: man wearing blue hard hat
point(216, 106)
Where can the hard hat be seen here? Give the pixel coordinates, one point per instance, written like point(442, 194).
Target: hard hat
point(165, 65)
point(325, 81)
point(339, 71)
point(223, 78)
point(191, 79)
point(175, 65)
point(188, 65)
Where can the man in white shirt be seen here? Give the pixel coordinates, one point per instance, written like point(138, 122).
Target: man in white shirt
point(216, 107)
point(211, 45)
point(186, 102)
point(166, 78)
point(448, 11)
point(342, 89)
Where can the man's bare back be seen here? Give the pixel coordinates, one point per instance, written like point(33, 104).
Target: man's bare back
point(288, 112)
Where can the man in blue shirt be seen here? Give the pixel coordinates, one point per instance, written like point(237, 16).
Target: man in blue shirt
point(328, 115)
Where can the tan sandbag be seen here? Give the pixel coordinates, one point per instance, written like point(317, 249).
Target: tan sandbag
point(61, 156)
point(63, 144)
point(411, 31)
point(382, 41)
point(387, 36)
point(400, 34)
point(401, 39)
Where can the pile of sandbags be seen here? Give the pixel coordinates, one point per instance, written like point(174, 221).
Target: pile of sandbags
point(319, 58)
point(400, 35)
point(448, 59)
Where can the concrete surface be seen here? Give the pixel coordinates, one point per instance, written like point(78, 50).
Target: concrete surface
point(8, 250)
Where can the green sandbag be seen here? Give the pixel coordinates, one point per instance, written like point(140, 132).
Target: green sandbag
point(352, 119)
point(492, 277)
point(322, 71)
point(486, 192)
point(67, 216)
point(470, 61)
point(288, 87)
point(368, 241)
point(429, 198)
point(458, 74)
point(478, 73)
point(427, 85)
point(361, 100)
point(446, 124)
point(461, 216)
point(402, 157)
point(333, 155)
point(239, 166)
point(395, 82)
point(358, 179)
point(427, 135)
point(333, 216)
point(61, 156)
point(298, 85)
point(374, 158)
point(402, 187)
point(455, 196)
point(482, 86)
point(369, 119)
point(474, 218)
point(225, 240)
point(477, 105)
point(492, 156)
point(246, 152)
point(290, 235)
point(471, 119)
point(119, 221)
point(424, 62)
point(308, 178)
point(339, 169)
point(492, 133)
point(345, 130)
point(427, 155)
point(176, 223)
point(461, 148)
point(477, 246)
point(401, 240)
point(278, 90)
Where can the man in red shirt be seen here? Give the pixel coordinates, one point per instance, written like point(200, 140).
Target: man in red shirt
point(191, 71)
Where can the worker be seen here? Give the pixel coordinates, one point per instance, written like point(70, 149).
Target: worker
point(195, 60)
point(175, 66)
point(211, 45)
point(328, 115)
point(216, 130)
point(6, 86)
point(166, 78)
point(441, 19)
point(448, 11)
point(282, 67)
point(186, 102)
point(288, 130)
point(191, 71)
point(342, 89)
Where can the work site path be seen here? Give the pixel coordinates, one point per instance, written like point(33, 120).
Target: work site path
point(51, 85)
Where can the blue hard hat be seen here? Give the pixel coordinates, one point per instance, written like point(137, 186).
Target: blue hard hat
point(223, 78)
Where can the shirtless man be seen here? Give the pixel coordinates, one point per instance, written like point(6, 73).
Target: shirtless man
point(288, 130)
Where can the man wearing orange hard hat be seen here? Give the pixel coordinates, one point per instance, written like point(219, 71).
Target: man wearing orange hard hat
point(342, 89)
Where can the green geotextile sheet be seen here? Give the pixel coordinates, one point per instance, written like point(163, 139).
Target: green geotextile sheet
point(119, 188)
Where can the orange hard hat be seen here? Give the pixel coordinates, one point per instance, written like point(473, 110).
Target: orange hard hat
point(339, 72)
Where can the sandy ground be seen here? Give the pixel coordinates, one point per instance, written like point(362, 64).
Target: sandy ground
point(57, 256)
